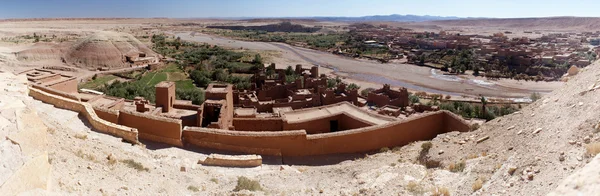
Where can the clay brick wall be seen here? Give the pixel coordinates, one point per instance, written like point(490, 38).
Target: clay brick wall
point(298, 143)
point(127, 133)
point(107, 114)
point(378, 100)
point(68, 86)
point(347, 122)
point(154, 128)
point(255, 124)
point(321, 125)
point(55, 92)
point(295, 104)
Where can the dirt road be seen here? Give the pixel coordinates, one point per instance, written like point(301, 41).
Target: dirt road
point(409, 76)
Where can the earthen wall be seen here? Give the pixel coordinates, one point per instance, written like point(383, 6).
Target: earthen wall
point(107, 114)
point(154, 128)
point(298, 143)
point(127, 133)
point(68, 86)
point(256, 124)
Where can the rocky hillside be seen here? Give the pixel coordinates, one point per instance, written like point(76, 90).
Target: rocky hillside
point(102, 49)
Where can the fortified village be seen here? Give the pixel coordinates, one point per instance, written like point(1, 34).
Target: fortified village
point(302, 118)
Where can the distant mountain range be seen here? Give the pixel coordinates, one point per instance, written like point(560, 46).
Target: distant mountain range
point(392, 18)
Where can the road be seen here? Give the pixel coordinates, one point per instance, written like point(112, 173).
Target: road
point(410, 76)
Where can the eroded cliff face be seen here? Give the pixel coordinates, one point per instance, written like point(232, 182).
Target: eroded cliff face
point(23, 143)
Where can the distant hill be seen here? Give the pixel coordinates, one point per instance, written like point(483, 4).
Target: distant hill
point(554, 23)
point(391, 18)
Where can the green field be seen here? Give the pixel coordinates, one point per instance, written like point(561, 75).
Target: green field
point(150, 79)
point(99, 81)
point(170, 73)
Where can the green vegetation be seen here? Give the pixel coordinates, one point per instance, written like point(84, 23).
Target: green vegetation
point(469, 110)
point(135, 165)
point(193, 188)
point(535, 96)
point(414, 99)
point(423, 157)
point(206, 63)
point(244, 183)
point(457, 167)
point(365, 92)
point(97, 81)
point(144, 85)
point(313, 40)
point(353, 86)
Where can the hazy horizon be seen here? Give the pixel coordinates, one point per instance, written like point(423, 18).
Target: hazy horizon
point(14, 9)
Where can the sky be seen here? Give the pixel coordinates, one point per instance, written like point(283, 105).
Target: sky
point(294, 8)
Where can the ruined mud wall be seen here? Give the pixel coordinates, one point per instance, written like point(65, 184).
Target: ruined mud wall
point(257, 124)
point(378, 99)
point(127, 133)
point(298, 143)
point(153, 128)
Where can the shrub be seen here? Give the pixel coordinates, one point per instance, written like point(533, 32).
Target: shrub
point(592, 149)
point(424, 159)
point(135, 165)
point(430, 163)
point(426, 146)
point(535, 96)
point(440, 191)
point(457, 167)
point(477, 185)
point(365, 92)
point(474, 126)
point(353, 86)
point(193, 188)
point(414, 99)
point(414, 187)
point(384, 149)
point(244, 183)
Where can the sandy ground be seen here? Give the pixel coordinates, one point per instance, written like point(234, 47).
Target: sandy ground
point(413, 77)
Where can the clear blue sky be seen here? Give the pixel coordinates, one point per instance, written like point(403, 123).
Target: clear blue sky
point(295, 8)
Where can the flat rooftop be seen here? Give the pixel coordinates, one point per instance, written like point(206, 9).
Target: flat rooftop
point(335, 109)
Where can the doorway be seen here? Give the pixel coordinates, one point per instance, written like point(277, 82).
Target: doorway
point(333, 126)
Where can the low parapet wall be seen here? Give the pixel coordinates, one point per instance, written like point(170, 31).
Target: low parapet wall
point(127, 133)
point(298, 143)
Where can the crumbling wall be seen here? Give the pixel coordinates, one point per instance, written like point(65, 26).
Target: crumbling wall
point(379, 100)
point(153, 128)
point(258, 124)
point(127, 133)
